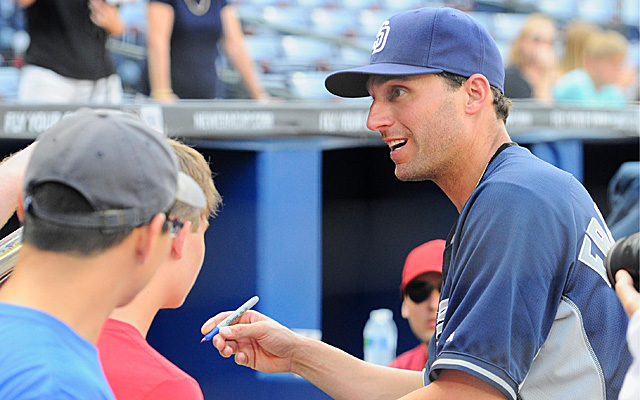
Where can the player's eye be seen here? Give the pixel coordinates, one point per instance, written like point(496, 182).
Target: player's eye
point(397, 92)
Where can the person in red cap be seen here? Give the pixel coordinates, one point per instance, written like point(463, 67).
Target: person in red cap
point(420, 291)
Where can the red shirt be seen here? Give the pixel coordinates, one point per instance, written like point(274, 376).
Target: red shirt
point(414, 359)
point(135, 370)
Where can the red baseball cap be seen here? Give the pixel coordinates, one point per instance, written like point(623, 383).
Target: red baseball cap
point(424, 258)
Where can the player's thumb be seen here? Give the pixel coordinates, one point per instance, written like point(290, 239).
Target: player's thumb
point(626, 292)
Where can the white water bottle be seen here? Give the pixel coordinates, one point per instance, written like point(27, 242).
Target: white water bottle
point(380, 337)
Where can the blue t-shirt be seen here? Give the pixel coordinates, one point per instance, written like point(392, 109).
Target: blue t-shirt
point(576, 87)
point(42, 358)
point(194, 48)
point(525, 304)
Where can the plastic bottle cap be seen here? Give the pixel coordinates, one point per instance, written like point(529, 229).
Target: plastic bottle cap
point(381, 314)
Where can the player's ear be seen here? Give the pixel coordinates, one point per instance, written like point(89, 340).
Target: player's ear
point(478, 92)
point(404, 309)
point(177, 245)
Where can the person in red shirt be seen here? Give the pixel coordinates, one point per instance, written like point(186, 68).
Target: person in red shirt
point(133, 368)
point(420, 291)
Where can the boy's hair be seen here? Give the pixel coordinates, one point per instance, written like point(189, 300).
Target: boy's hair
point(606, 44)
point(43, 235)
point(576, 36)
point(192, 163)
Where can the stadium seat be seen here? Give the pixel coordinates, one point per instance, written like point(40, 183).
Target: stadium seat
point(505, 26)
point(562, 10)
point(335, 22)
point(9, 83)
point(358, 4)
point(369, 21)
point(288, 19)
point(308, 86)
point(264, 49)
point(306, 53)
point(600, 11)
point(394, 6)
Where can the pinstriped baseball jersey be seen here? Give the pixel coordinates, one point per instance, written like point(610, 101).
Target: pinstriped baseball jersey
point(525, 302)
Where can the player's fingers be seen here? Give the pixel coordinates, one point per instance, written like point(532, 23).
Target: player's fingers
point(627, 294)
point(623, 277)
point(241, 359)
point(213, 321)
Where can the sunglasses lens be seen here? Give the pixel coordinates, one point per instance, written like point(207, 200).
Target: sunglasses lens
point(419, 291)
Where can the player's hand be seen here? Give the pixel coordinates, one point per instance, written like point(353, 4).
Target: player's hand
point(257, 341)
point(627, 294)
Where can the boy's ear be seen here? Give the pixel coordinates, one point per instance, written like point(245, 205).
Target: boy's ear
point(177, 246)
point(20, 208)
point(148, 236)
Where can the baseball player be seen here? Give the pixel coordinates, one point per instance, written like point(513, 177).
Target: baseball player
point(526, 310)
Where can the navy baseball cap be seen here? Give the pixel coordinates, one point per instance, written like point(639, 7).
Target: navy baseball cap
point(425, 41)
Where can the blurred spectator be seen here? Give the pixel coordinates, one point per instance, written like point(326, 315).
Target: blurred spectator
point(420, 291)
point(532, 65)
point(576, 34)
point(67, 59)
point(605, 76)
point(183, 40)
point(624, 200)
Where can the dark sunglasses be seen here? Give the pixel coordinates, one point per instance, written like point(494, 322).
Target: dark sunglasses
point(420, 291)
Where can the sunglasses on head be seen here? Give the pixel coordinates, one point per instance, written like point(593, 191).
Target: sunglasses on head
point(172, 225)
point(420, 291)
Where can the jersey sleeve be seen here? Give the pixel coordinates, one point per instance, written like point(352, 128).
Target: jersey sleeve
point(504, 282)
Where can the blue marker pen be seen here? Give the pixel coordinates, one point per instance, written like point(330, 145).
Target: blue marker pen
point(231, 318)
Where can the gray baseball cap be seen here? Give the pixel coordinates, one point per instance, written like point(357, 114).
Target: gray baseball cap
point(125, 169)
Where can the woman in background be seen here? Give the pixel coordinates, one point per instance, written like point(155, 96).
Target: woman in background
point(532, 65)
point(67, 60)
point(183, 38)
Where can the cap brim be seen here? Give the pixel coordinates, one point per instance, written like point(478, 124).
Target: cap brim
point(353, 82)
point(189, 192)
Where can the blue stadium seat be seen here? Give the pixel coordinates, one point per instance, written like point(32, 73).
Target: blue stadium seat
point(316, 3)
point(335, 22)
point(601, 11)
point(287, 18)
point(359, 4)
point(9, 83)
point(395, 6)
point(308, 86)
point(264, 50)
point(562, 10)
point(306, 53)
point(505, 26)
point(369, 21)
point(631, 12)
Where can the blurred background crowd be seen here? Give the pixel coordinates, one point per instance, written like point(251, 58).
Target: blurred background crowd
point(554, 50)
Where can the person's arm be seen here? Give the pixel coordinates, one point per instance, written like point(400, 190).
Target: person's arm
point(106, 16)
point(11, 173)
point(160, 19)
point(236, 50)
point(263, 344)
point(25, 3)
point(453, 384)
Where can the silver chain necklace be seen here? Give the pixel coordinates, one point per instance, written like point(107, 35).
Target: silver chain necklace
point(198, 8)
